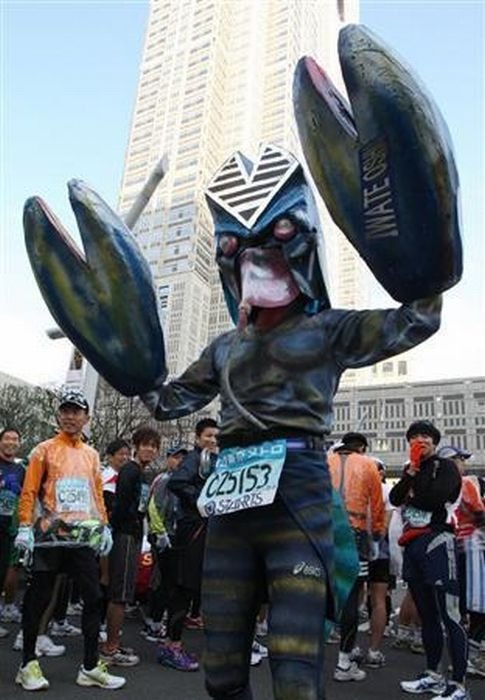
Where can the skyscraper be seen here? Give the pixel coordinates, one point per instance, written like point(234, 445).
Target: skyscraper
point(216, 76)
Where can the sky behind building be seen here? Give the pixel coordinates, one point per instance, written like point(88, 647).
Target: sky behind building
point(69, 72)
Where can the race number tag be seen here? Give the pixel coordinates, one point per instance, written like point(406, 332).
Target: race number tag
point(244, 477)
point(72, 495)
point(415, 517)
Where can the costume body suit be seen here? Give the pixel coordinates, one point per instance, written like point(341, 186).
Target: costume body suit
point(386, 173)
point(287, 378)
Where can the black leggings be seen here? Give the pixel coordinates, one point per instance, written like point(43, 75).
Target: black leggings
point(349, 621)
point(434, 605)
point(81, 563)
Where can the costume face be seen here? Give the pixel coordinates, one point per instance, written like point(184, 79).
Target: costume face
point(266, 229)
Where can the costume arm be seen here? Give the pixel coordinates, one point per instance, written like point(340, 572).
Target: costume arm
point(32, 483)
point(190, 392)
point(364, 337)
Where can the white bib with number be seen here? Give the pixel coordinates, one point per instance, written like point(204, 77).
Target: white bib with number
point(73, 495)
point(244, 477)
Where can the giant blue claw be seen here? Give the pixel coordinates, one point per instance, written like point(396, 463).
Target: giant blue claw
point(384, 167)
point(104, 302)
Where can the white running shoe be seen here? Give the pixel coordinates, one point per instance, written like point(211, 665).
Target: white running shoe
point(352, 673)
point(43, 647)
point(64, 629)
point(99, 676)
point(454, 692)
point(255, 658)
point(46, 647)
point(3, 632)
point(30, 677)
point(428, 682)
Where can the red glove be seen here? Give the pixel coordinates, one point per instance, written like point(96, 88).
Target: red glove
point(416, 449)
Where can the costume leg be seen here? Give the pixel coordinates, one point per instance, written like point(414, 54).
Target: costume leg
point(297, 581)
point(229, 602)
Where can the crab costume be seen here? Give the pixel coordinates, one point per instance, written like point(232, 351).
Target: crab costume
point(386, 173)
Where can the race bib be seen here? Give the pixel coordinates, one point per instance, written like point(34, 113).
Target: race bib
point(244, 477)
point(415, 517)
point(73, 495)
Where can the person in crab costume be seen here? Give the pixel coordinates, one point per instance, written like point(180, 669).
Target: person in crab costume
point(386, 173)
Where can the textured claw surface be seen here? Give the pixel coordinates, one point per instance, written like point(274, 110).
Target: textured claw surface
point(384, 167)
point(104, 302)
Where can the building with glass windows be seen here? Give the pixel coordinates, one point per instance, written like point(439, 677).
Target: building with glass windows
point(383, 413)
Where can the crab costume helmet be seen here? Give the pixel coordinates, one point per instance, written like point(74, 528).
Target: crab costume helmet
point(267, 232)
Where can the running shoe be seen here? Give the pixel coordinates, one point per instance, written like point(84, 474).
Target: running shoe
point(375, 659)
point(46, 647)
point(154, 634)
point(175, 656)
point(454, 691)
point(193, 623)
point(63, 628)
point(352, 673)
point(3, 632)
point(99, 676)
point(427, 682)
point(119, 657)
point(30, 677)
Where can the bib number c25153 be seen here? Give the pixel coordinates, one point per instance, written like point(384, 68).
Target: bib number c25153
point(244, 477)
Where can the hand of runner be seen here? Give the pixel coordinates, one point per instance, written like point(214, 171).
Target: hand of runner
point(415, 454)
point(24, 540)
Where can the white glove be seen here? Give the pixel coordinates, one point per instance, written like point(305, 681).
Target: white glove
point(25, 539)
point(106, 543)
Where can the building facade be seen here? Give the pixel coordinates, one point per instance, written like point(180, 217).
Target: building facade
point(383, 412)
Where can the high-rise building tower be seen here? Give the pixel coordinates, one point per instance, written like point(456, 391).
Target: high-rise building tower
point(216, 76)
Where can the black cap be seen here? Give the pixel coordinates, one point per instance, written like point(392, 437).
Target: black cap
point(354, 439)
point(423, 427)
point(176, 450)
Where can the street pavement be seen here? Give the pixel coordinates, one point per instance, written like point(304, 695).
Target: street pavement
point(149, 681)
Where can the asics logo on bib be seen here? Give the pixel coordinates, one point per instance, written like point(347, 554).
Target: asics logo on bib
point(304, 569)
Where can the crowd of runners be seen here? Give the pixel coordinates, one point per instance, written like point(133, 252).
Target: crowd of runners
point(82, 538)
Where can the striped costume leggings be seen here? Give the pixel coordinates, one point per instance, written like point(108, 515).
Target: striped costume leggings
point(252, 557)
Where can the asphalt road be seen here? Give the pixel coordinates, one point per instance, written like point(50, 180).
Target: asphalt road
point(149, 681)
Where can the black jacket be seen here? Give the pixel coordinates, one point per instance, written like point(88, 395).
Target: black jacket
point(126, 517)
point(187, 483)
point(437, 482)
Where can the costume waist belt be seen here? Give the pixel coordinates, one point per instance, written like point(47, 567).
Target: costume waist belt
point(308, 443)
